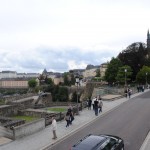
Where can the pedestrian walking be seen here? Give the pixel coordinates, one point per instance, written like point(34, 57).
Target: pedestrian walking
point(89, 104)
point(96, 107)
point(143, 88)
point(54, 127)
point(70, 108)
point(138, 88)
point(100, 105)
point(129, 92)
point(126, 93)
point(71, 114)
point(93, 103)
point(67, 118)
point(71, 117)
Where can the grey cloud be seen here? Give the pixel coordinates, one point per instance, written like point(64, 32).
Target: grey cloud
point(51, 59)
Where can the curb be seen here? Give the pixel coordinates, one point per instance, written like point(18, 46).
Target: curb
point(146, 141)
point(47, 147)
point(82, 126)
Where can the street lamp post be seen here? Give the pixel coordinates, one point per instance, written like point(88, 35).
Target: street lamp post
point(125, 77)
point(146, 78)
point(77, 82)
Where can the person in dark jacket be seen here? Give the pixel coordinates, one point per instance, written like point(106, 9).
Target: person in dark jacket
point(96, 106)
point(89, 104)
point(67, 118)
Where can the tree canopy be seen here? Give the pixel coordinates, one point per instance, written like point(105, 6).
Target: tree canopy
point(134, 56)
point(143, 75)
point(124, 74)
point(111, 72)
point(32, 83)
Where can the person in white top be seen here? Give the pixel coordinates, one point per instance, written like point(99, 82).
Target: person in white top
point(93, 102)
point(54, 127)
point(100, 105)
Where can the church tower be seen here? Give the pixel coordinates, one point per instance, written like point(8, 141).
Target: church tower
point(148, 40)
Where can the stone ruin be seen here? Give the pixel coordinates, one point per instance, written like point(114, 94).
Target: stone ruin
point(16, 107)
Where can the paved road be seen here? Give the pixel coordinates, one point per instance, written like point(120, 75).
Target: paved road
point(129, 121)
point(43, 140)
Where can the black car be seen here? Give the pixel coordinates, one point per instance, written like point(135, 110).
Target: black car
point(99, 142)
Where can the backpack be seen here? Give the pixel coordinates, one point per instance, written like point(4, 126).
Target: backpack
point(100, 104)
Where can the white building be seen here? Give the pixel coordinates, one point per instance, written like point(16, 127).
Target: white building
point(21, 75)
point(8, 74)
point(28, 75)
point(14, 74)
point(32, 75)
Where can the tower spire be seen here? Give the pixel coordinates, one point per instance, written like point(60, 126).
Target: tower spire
point(148, 39)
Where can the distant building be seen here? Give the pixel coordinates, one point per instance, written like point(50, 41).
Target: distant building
point(90, 73)
point(27, 75)
point(56, 77)
point(21, 75)
point(103, 68)
point(14, 74)
point(32, 75)
point(58, 80)
point(8, 74)
point(13, 83)
point(77, 72)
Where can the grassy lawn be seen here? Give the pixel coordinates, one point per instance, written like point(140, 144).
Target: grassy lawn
point(57, 109)
point(2, 102)
point(27, 118)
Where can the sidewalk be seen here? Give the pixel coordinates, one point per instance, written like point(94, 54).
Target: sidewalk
point(146, 143)
point(43, 139)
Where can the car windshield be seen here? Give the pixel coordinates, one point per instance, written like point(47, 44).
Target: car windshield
point(108, 144)
point(90, 142)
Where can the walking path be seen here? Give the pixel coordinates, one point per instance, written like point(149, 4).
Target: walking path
point(43, 139)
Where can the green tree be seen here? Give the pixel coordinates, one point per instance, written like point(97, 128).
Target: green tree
point(111, 72)
point(54, 92)
point(32, 83)
point(63, 95)
point(143, 75)
point(134, 56)
point(123, 75)
point(66, 80)
point(73, 80)
point(49, 81)
point(98, 73)
point(74, 97)
point(42, 78)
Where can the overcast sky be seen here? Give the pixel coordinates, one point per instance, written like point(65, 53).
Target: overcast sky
point(60, 35)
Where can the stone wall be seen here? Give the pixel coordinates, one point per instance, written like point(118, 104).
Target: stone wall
point(8, 110)
point(18, 97)
point(44, 99)
point(89, 89)
point(6, 132)
point(28, 128)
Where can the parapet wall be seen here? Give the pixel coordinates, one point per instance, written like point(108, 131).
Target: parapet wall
point(17, 97)
point(28, 128)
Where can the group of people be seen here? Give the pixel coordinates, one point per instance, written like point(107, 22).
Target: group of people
point(69, 117)
point(96, 103)
point(128, 92)
point(141, 88)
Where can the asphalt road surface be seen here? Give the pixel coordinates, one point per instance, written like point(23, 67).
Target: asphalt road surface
point(130, 121)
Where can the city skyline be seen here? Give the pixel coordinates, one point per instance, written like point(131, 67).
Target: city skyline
point(69, 34)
